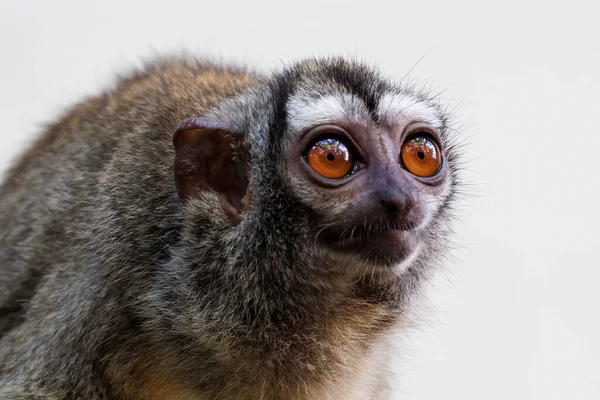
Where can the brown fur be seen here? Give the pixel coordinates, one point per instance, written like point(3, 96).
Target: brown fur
point(112, 287)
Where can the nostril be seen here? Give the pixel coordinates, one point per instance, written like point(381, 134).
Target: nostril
point(391, 206)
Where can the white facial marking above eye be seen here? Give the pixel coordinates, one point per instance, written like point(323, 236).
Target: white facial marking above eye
point(304, 112)
point(394, 106)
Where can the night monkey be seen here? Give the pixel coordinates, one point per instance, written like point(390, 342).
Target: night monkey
point(201, 231)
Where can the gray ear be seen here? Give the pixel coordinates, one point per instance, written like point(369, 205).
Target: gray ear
point(212, 155)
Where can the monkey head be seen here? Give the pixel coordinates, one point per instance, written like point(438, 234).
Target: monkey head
point(332, 157)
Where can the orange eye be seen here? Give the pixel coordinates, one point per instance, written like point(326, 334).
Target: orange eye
point(421, 156)
point(330, 158)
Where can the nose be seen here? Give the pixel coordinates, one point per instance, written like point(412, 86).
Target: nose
point(396, 202)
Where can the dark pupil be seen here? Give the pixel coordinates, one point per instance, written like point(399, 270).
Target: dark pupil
point(330, 157)
point(421, 155)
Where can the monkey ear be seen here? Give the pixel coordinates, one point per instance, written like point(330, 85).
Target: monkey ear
point(212, 155)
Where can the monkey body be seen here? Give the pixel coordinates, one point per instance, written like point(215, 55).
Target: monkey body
point(122, 281)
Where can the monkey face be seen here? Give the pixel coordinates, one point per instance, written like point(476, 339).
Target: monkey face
point(377, 175)
point(374, 189)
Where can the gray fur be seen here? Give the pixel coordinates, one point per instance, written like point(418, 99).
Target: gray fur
point(106, 276)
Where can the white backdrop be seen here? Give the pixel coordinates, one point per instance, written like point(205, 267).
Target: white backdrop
point(517, 315)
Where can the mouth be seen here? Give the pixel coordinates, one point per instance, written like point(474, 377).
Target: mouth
point(386, 247)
